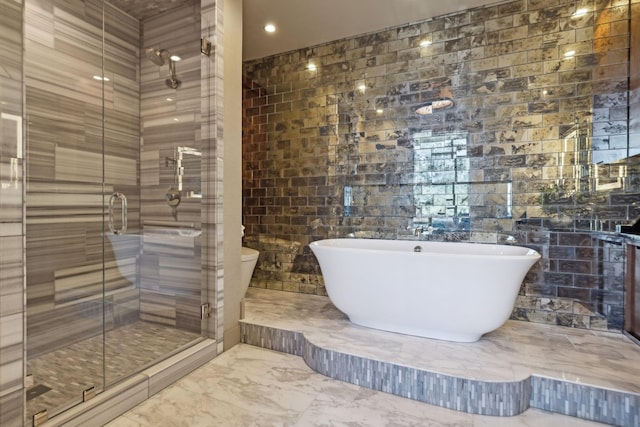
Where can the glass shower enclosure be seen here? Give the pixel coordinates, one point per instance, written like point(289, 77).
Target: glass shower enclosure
point(113, 193)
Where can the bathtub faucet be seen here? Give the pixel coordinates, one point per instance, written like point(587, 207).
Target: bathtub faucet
point(423, 230)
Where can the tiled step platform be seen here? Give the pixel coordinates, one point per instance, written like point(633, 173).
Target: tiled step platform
point(587, 374)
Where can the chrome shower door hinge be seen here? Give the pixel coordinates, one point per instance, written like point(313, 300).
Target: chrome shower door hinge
point(205, 46)
point(205, 311)
point(39, 418)
point(89, 393)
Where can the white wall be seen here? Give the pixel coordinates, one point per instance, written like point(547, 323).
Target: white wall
point(232, 199)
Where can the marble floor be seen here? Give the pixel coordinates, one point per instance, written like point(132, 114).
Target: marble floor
point(511, 353)
point(61, 376)
point(250, 386)
point(253, 386)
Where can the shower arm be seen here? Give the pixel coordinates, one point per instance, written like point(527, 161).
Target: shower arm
point(172, 70)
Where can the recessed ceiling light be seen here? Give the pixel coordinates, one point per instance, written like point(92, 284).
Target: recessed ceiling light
point(175, 58)
point(311, 66)
point(379, 111)
point(270, 28)
point(362, 87)
point(569, 53)
point(100, 78)
point(425, 43)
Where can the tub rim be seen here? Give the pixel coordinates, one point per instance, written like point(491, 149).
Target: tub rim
point(530, 253)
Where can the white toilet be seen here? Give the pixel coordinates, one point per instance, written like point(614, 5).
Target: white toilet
point(249, 259)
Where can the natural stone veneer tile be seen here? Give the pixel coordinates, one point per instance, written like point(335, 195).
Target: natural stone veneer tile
point(515, 94)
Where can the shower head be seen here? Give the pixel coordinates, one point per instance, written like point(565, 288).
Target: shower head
point(157, 56)
point(160, 57)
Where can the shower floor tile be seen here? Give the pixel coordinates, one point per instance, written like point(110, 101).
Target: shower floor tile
point(67, 372)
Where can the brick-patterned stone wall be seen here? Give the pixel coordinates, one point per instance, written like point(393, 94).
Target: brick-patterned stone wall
point(539, 94)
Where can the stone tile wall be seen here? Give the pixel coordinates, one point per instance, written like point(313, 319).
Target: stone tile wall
point(540, 96)
point(171, 118)
point(579, 282)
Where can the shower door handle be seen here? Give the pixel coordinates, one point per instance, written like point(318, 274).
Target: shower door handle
point(123, 201)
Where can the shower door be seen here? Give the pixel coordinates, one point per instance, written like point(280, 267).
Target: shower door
point(66, 91)
point(112, 270)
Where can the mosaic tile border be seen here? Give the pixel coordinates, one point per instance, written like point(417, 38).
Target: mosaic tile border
point(273, 339)
point(496, 398)
point(586, 402)
point(460, 394)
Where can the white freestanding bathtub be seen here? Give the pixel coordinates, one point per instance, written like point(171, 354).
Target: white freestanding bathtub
point(442, 290)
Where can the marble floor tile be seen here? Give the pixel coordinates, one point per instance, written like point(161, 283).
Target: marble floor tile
point(249, 386)
point(513, 352)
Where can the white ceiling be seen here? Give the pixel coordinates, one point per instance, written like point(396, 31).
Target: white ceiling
point(304, 23)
